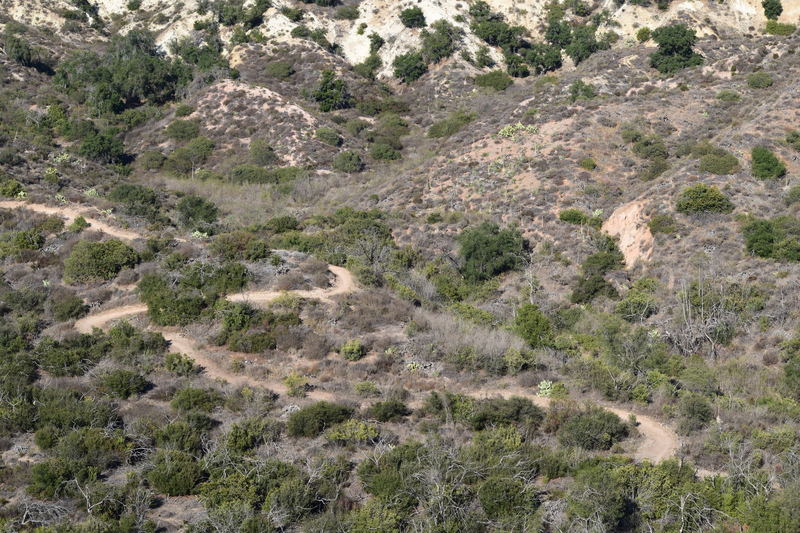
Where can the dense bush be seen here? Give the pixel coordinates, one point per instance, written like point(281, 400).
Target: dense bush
point(543, 58)
point(261, 153)
point(104, 147)
point(496, 79)
point(175, 473)
point(489, 251)
point(793, 139)
point(313, 420)
point(349, 162)
point(123, 383)
point(760, 80)
point(353, 350)
point(505, 411)
point(502, 497)
point(451, 125)
point(193, 399)
point(89, 261)
point(695, 412)
point(772, 9)
point(10, 188)
point(384, 152)
point(332, 93)
point(578, 217)
point(441, 42)
point(675, 49)
point(183, 130)
point(67, 306)
point(774, 27)
point(137, 199)
point(409, 67)
point(533, 326)
point(766, 164)
point(389, 411)
point(778, 238)
point(195, 210)
point(412, 17)
point(132, 71)
point(703, 198)
point(592, 429)
point(279, 69)
point(188, 158)
point(720, 163)
point(328, 136)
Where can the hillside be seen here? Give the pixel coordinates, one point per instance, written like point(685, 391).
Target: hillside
point(330, 266)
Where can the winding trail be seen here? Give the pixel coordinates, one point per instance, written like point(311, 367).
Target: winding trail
point(658, 442)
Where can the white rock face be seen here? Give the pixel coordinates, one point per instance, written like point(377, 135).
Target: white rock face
point(382, 17)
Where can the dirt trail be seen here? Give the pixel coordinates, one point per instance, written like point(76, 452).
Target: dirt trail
point(658, 441)
point(73, 212)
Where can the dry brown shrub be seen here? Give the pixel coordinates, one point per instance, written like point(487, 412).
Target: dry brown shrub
point(291, 281)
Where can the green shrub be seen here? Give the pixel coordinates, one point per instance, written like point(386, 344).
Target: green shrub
point(183, 130)
point(533, 326)
point(643, 34)
point(580, 90)
point(174, 473)
point(280, 69)
point(123, 383)
point(760, 80)
point(248, 173)
point(349, 162)
point(651, 147)
point(587, 163)
point(489, 251)
point(261, 153)
point(592, 429)
point(503, 497)
point(346, 13)
point(497, 412)
point(412, 17)
point(726, 95)
point(662, 224)
point(720, 163)
point(695, 412)
point(778, 238)
point(409, 67)
point(703, 198)
point(765, 164)
point(180, 364)
point(187, 159)
point(313, 420)
point(675, 49)
point(774, 27)
point(384, 152)
point(194, 209)
point(68, 306)
point(637, 305)
point(451, 125)
point(332, 93)
point(251, 433)
point(151, 160)
point(352, 432)
point(353, 350)
point(578, 217)
point(793, 195)
point(495, 79)
point(90, 261)
point(104, 147)
point(793, 139)
point(183, 110)
point(772, 9)
point(442, 42)
point(328, 136)
point(389, 411)
point(590, 287)
point(10, 188)
point(193, 399)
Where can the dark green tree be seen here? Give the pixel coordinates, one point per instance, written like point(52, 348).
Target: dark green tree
point(675, 49)
point(772, 9)
point(488, 251)
point(332, 93)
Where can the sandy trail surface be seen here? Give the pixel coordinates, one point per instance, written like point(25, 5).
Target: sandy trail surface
point(658, 442)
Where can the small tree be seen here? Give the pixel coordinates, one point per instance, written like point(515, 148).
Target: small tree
point(413, 17)
point(533, 326)
point(772, 9)
point(332, 93)
point(766, 165)
point(409, 67)
point(675, 49)
point(702, 198)
point(488, 251)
